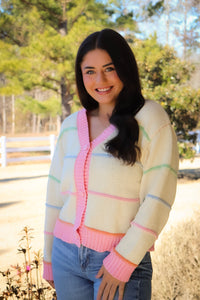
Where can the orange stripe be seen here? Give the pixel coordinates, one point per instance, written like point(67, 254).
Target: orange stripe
point(46, 262)
point(124, 259)
point(65, 222)
point(105, 232)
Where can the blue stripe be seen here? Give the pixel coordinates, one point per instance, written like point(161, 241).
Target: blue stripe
point(159, 199)
point(53, 206)
point(70, 156)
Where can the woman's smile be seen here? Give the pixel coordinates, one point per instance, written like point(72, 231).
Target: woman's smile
point(104, 90)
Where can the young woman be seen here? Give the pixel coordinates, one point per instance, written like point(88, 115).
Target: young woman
point(112, 180)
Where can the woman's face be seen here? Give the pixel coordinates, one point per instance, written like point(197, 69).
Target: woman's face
point(100, 77)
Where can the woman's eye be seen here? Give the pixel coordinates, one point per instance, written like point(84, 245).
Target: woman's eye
point(90, 72)
point(110, 69)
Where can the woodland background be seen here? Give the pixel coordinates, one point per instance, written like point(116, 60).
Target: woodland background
point(39, 41)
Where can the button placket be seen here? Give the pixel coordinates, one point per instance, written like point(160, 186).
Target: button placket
point(80, 184)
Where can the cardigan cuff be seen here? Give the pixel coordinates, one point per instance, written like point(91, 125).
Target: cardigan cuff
point(118, 266)
point(47, 271)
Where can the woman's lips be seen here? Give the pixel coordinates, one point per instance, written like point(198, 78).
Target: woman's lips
point(104, 90)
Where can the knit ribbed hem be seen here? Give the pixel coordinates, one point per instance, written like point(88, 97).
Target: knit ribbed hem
point(91, 238)
point(118, 266)
point(47, 272)
point(65, 231)
point(98, 240)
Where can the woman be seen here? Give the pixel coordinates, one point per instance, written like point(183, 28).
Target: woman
point(112, 180)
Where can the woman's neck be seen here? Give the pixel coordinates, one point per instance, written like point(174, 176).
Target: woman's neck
point(104, 112)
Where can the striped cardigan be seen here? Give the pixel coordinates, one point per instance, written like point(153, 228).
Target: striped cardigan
point(96, 200)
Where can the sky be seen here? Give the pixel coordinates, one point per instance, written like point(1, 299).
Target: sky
point(159, 25)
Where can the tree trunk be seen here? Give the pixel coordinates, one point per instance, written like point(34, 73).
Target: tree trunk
point(38, 123)
point(66, 99)
point(4, 114)
point(13, 114)
point(34, 123)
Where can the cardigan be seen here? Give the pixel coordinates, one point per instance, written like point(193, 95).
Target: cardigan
point(98, 201)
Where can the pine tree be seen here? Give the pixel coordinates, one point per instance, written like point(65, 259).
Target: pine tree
point(39, 40)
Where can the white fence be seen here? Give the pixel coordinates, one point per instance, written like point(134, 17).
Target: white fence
point(4, 149)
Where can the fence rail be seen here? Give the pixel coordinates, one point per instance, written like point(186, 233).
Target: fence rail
point(4, 149)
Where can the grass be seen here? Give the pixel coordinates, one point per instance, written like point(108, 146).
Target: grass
point(177, 262)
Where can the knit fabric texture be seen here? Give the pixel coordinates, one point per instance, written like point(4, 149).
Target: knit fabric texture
point(98, 201)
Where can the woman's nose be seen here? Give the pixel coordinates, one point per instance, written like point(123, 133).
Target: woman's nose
point(100, 77)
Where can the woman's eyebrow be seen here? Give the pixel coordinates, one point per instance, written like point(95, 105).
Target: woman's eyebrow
point(111, 63)
point(88, 67)
point(106, 65)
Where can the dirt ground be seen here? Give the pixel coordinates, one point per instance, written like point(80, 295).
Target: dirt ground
point(22, 203)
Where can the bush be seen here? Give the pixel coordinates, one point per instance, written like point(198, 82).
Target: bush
point(25, 282)
point(177, 262)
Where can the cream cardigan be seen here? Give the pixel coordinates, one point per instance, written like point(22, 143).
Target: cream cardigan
point(96, 200)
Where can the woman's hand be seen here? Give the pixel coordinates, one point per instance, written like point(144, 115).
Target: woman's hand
point(109, 286)
point(51, 282)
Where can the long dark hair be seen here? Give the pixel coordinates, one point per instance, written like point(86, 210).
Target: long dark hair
point(130, 100)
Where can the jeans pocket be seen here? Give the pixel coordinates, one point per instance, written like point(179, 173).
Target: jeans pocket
point(96, 260)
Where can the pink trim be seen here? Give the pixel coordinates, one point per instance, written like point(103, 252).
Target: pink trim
point(65, 232)
point(83, 131)
point(48, 233)
point(82, 125)
point(97, 240)
point(47, 271)
point(118, 266)
point(81, 169)
point(103, 136)
point(145, 229)
point(114, 197)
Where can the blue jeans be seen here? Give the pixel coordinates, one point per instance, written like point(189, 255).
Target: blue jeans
point(74, 271)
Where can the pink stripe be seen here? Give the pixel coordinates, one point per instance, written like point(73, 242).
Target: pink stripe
point(145, 229)
point(114, 197)
point(68, 192)
point(48, 233)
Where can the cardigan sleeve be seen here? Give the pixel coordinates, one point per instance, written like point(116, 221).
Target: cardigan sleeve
point(157, 193)
point(54, 204)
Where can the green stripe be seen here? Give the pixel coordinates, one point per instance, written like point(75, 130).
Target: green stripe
point(66, 129)
point(159, 167)
point(145, 133)
point(54, 178)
